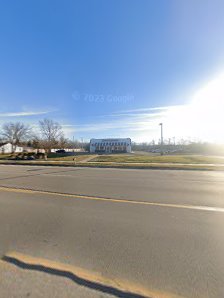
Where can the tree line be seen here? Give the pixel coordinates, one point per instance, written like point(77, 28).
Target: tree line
point(47, 135)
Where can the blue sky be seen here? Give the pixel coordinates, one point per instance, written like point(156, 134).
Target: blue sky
point(100, 68)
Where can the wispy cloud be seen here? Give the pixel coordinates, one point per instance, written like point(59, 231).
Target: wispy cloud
point(140, 110)
point(24, 114)
point(126, 122)
point(136, 114)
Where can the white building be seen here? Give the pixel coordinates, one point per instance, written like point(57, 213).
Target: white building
point(7, 148)
point(110, 145)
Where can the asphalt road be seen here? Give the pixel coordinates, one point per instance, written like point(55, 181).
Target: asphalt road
point(172, 248)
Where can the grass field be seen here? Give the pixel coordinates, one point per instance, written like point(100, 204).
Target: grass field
point(77, 157)
point(56, 157)
point(4, 156)
point(181, 159)
point(128, 161)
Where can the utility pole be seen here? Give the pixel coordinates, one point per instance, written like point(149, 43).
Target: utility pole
point(161, 125)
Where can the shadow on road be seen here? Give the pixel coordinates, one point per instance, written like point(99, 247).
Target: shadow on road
point(78, 280)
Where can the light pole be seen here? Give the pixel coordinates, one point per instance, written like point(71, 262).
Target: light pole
point(161, 125)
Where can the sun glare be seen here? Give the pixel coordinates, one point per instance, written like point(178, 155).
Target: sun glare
point(207, 109)
point(203, 117)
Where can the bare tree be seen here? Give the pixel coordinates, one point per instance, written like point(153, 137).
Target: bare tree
point(36, 142)
point(63, 142)
point(51, 132)
point(15, 133)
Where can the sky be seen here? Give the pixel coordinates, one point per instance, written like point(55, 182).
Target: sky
point(115, 68)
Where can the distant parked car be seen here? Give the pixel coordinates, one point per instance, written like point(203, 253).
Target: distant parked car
point(31, 157)
point(61, 151)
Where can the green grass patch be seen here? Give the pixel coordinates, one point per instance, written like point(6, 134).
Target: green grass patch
point(63, 157)
point(185, 159)
point(4, 156)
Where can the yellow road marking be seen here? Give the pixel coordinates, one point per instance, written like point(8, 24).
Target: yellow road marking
point(168, 205)
point(122, 285)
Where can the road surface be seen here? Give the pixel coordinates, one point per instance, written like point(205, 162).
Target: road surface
point(155, 232)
